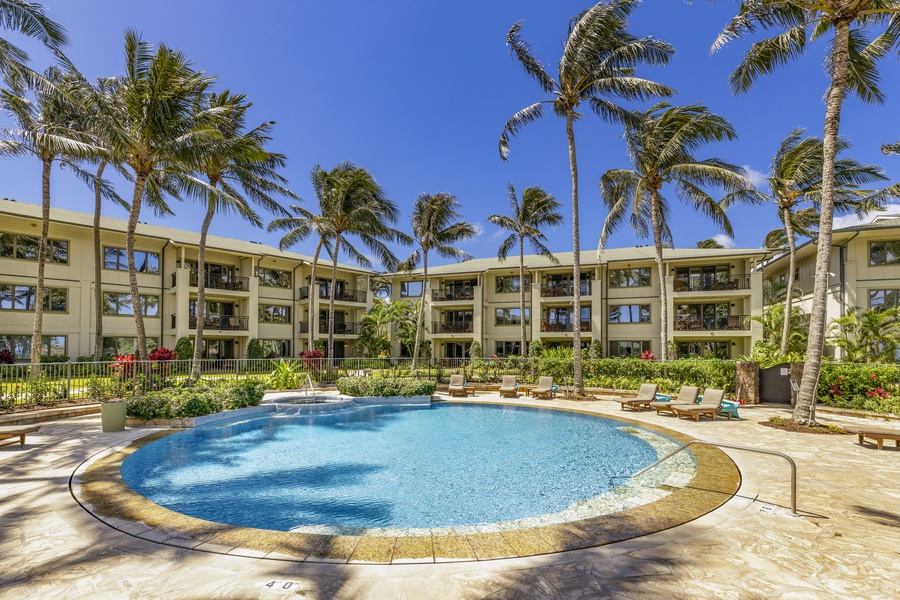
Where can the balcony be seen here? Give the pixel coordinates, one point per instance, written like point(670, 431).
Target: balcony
point(459, 294)
point(452, 327)
point(711, 282)
point(548, 327)
point(721, 323)
point(342, 295)
point(220, 282)
point(339, 328)
point(221, 322)
point(562, 289)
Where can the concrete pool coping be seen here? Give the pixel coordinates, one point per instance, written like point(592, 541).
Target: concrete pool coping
point(98, 486)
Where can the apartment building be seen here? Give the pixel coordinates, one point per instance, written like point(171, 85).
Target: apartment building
point(865, 269)
point(252, 290)
point(710, 293)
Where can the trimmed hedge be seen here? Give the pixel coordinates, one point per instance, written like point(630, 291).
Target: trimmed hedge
point(630, 373)
point(202, 399)
point(873, 388)
point(384, 386)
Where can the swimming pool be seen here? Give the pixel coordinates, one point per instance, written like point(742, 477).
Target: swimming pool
point(391, 467)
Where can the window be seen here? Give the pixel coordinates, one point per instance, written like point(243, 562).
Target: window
point(884, 253)
point(410, 289)
point(114, 346)
point(22, 297)
point(273, 278)
point(25, 247)
point(621, 278)
point(117, 258)
point(504, 349)
point(274, 313)
point(628, 349)
point(564, 316)
point(703, 349)
point(629, 313)
point(505, 285)
point(20, 345)
point(273, 348)
point(884, 298)
point(120, 304)
point(511, 316)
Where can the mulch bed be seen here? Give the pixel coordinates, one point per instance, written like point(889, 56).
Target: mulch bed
point(17, 408)
point(786, 425)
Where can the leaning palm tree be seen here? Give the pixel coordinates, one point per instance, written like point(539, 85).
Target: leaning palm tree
point(537, 209)
point(661, 148)
point(30, 19)
point(44, 130)
point(435, 226)
point(239, 171)
point(598, 65)
point(153, 124)
point(850, 60)
point(795, 177)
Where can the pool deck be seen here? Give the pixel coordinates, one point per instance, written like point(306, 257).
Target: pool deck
point(844, 545)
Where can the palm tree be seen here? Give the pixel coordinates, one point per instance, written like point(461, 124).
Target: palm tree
point(851, 63)
point(661, 148)
point(795, 177)
point(710, 243)
point(47, 129)
point(241, 168)
point(30, 19)
point(538, 209)
point(435, 226)
point(598, 63)
point(867, 335)
point(153, 124)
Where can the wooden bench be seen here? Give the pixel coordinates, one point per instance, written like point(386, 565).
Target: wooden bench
point(877, 434)
point(16, 431)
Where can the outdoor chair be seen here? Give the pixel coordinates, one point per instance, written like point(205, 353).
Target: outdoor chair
point(457, 386)
point(645, 395)
point(17, 431)
point(544, 389)
point(509, 387)
point(686, 396)
point(709, 405)
point(877, 434)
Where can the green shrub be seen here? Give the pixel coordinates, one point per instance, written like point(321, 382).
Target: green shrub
point(385, 386)
point(241, 393)
point(535, 349)
point(53, 359)
point(865, 387)
point(184, 348)
point(255, 349)
point(596, 351)
point(286, 375)
point(630, 373)
point(195, 402)
point(44, 390)
point(475, 349)
point(155, 405)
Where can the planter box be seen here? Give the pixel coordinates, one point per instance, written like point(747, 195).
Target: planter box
point(112, 416)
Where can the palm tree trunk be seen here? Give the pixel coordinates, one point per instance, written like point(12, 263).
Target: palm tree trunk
point(421, 315)
point(98, 265)
point(313, 289)
point(661, 270)
point(523, 349)
point(576, 258)
point(201, 290)
point(334, 262)
point(37, 332)
point(789, 300)
point(133, 216)
point(804, 412)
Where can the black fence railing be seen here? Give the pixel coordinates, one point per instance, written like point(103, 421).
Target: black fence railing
point(456, 294)
point(719, 323)
point(341, 295)
point(550, 327)
point(711, 282)
point(222, 322)
point(452, 326)
point(222, 282)
point(345, 328)
point(559, 289)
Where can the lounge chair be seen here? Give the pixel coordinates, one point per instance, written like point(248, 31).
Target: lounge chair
point(457, 386)
point(877, 434)
point(17, 431)
point(709, 405)
point(509, 387)
point(686, 396)
point(645, 395)
point(544, 389)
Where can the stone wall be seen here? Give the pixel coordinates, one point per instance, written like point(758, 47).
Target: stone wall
point(747, 381)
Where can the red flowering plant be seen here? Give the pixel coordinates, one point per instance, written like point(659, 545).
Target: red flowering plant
point(877, 392)
point(647, 355)
point(160, 357)
point(313, 360)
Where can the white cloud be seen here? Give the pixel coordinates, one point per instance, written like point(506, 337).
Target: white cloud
point(757, 178)
point(852, 220)
point(479, 229)
point(723, 239)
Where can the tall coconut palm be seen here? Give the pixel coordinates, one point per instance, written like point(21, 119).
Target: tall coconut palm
point(47, 128)
point(795, 177)
point(850, 60)
point(661, 148)
point(30, 19)
point(538, 209)
point(238, 166)
point(153, 123)
point(435, 226)
point(598, 65)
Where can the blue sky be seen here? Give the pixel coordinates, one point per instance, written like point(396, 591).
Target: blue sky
point(418, 91)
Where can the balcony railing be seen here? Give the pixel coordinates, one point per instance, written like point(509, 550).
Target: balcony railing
point(453, 294)
point(711, 282)
point(452, 327)
point(342, 295)
point(721, 323)
point(559, 289)
point(339, 328)
point(548, 327)
point(221, 282)
point(222, 322)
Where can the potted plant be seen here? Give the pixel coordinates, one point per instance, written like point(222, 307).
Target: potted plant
point(112, 409)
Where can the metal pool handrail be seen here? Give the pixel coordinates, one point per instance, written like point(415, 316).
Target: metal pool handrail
point(790, 460)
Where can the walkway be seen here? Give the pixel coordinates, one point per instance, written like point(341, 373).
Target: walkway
point(845, 545)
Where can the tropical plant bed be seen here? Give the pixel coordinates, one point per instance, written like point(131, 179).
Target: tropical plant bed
point(33, 406)
point(776, 422)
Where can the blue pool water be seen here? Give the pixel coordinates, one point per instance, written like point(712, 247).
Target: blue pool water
point(445, 465)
